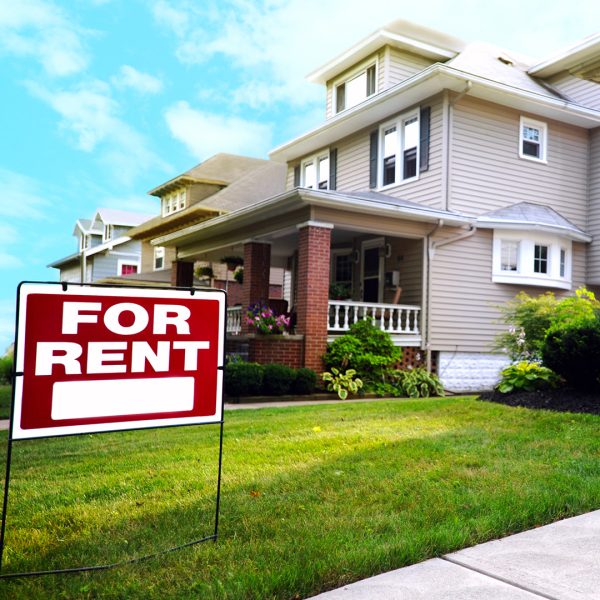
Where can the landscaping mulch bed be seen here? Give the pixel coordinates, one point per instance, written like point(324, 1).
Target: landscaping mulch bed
point(562, 400)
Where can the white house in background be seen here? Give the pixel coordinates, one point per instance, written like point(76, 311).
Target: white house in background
point(103, 247)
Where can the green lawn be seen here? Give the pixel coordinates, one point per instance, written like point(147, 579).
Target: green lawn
point(313, 497)
point(5, 398)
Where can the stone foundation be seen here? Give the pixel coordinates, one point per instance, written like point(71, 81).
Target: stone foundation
point(470, 371)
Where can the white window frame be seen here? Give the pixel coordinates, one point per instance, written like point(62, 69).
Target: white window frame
point(159, 254)
point(315, 159)
point(84, 242)
point(125, 262)
point(356, 72)
point(525, 274)
point(174, 202)
point(335, 252)
point(399, 123)
point(107, 232)
point(543, 129)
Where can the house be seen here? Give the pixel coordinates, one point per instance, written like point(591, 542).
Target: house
point(446, 177)
point(104, 247)
point(221, 184)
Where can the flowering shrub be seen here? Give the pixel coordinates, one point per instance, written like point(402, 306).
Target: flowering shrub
point(264, 320)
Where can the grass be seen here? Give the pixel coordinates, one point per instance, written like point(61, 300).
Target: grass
point(313, 497)
point(5, 398)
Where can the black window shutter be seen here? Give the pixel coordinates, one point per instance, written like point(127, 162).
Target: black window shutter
point(333, 169)
point(374, 145)
point(424, 122)
point(340, 98)
point(297, 176)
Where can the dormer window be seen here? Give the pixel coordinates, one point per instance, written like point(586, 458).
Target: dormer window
point(108, 233)
point(315, 172)
point(173, 202)
point(533, 139)
point(356, 88)
point(84, 242)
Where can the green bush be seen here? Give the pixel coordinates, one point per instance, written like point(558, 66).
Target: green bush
point(243, 378)
point(530, 320)
point(305, 382)
point(419, 383)
point(6, 368)
point(366, 349)
point(277, 379)
point(574, 353)
point(526, 376)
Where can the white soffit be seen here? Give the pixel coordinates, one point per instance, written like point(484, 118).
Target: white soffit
point(583, 51)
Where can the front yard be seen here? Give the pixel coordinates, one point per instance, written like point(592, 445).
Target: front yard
point(313, 497)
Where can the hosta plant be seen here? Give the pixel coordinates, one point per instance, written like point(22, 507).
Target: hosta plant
point(526, 376)
point(342, 383)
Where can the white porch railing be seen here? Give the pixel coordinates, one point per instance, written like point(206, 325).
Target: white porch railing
point(234, 320)
point(401, 321)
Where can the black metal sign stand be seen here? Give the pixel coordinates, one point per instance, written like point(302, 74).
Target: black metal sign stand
point(134, 560)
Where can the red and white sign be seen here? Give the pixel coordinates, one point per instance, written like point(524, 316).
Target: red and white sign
point(101, 359)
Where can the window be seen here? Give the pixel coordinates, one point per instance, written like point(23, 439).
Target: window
point(532, 139)
point(173, 202)
point(356, 88)
point(84, 241)
point(531, 258)
point(540, 259)
point(159, 258)
point(509, 256)
point(108, 233)
point(399, 150)
point(127, 267)
point(315, 172)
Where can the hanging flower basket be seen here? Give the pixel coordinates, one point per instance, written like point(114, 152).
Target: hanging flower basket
point(232, 262)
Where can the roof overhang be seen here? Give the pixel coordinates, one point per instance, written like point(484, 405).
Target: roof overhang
point(109, 245)
point(182, 181)
point(506, 224)
point(61, 262)
point(371, 45)
point(241, 221)
point(574, 58)
point(421, 86)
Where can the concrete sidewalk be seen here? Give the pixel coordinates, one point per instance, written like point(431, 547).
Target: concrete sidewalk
point(560, 561)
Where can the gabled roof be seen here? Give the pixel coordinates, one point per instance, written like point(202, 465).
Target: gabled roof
point(400, 34)
point(82, 226)
point(579, 57)
point(526, 215)
point(113, 216)
point(62, 262)
point(219, 170)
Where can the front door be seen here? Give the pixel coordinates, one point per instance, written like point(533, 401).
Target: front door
point(372, 270)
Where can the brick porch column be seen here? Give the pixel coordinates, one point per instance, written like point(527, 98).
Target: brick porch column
point(314, 241)
point(257, 265)
point(182, 273)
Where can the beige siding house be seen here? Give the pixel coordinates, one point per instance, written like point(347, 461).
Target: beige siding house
point(447, 177)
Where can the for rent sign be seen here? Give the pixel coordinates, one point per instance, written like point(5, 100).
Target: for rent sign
point(99, 359)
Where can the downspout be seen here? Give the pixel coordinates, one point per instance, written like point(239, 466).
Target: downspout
point(432, 246)
point(447, 142)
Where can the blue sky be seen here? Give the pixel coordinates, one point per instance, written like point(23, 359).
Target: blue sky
point(103, 100)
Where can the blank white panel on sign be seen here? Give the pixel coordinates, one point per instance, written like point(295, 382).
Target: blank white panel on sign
point(108, 397)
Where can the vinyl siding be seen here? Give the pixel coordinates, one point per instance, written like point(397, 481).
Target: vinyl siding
point(407, 258)
point(487, 173)
point(148, 257)
point(464, 300)
point(72, 274)
point(106, 265)
point(594, 213)
point(353, 163)
point(581, 91)
point(403, 65)
point(289, 179)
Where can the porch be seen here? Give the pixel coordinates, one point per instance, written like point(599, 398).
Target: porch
point(401, 321)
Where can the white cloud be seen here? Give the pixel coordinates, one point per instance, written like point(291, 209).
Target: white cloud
point(10, 261)
point(143, 83)
point(90, 114)
point(206, 134)
point(22, 198)
point(41, 30)
point(135, 203)
point(174, 18)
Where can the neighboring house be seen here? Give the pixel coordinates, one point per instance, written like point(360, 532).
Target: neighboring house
point(104, 247)
point(219, 185)
point(446, 178)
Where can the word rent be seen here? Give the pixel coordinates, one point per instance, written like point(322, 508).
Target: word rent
point(123, 319)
